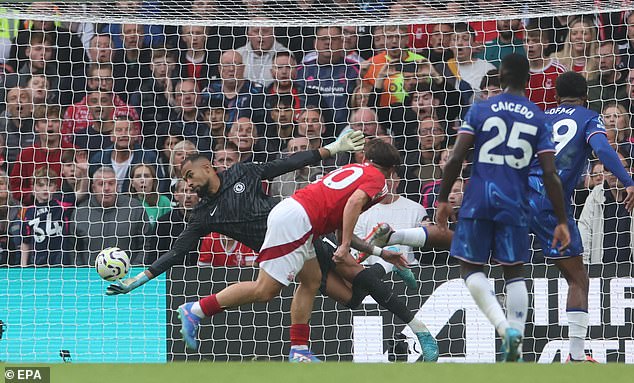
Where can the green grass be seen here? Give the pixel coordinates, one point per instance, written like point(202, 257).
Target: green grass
point(260, 372)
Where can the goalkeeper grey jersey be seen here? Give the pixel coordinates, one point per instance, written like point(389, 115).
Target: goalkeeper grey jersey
point(238, 210)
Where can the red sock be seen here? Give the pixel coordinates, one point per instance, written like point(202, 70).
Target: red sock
point(299, 334)
point(210, 305)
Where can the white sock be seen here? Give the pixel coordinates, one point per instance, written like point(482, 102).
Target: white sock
point(300, 347)
point(415, 237)
point(198, 311)
point(516, 304)
point(417, 326)
point(486, 300)
point(577, 331)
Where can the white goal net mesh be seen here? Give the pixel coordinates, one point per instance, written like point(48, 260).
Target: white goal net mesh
point(101, 101)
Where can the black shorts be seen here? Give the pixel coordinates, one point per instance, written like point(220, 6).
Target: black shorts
point(325, 247)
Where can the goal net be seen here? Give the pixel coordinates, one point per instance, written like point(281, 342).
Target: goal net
point(102, 101)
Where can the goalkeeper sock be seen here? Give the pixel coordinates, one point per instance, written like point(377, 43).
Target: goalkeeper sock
point(577, 330)
point(516, 303)
point(485, 298)
point(415, 237)
point(300, 333)
point(209, 306)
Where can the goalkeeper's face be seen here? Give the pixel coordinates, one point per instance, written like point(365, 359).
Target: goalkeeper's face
point(199, 175)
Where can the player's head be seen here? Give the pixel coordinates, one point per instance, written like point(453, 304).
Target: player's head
point(571, 87)
point(199, 174)
point(383, 155)
point(514, 72)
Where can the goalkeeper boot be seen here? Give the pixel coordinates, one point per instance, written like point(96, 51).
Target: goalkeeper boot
point(379, 236)
point(588, 359)
point(428, 346)
point(301, 354)
point(189, 323)
point(511, 345)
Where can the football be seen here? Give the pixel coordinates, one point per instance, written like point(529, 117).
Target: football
point(112, 263)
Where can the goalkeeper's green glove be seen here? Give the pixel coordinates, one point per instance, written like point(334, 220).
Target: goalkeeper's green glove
point(126, 285)
point(349, 141)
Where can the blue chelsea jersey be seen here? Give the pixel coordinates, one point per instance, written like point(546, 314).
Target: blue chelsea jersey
point(573, 125)
point(509, 131)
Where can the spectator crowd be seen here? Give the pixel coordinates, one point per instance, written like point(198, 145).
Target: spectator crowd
point(96, 119)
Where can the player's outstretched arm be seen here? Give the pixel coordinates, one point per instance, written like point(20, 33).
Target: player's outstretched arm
point(556, 196)
point(608, 157)
point(351, 141)
point(185, 242)
point(450, 173)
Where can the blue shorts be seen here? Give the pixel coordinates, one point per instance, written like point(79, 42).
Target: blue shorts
point(543, 222)
point(480, 241)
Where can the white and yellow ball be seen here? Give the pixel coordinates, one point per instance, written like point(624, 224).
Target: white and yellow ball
point(112, 263)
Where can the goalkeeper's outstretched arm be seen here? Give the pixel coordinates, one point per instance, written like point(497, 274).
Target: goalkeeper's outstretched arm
point(186, 242)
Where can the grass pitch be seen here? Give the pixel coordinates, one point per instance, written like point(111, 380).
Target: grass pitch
point(275, 372)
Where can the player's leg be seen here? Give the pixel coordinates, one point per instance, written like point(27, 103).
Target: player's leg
point(473, 241)
point(349, 283)
point(570, 263)
point(512, 250)
point(431, 236)
point(263, 289)
point(576, 275)
point(301, 310)
point(283, 253)
point(383, 235)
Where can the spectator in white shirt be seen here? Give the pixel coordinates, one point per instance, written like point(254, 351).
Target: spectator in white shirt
point(258, 54)
point(470, 68)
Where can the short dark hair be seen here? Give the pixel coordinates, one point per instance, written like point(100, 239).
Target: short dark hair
point(539, 28)
point(214, 103)
point(47, 112)
point(317, 29)
point(194, 157)
point(464, 27)
point(571, 85)
point(277, 100)
point(92, 68)
point(382, 154)
point(492, 78)
point(283, 54)
point(514, 71)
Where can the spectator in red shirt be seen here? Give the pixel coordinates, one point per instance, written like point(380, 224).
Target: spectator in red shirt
point(543, 70)
point(46, 152)
point(78, 117)
point(195, 58)
point(219, 250)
